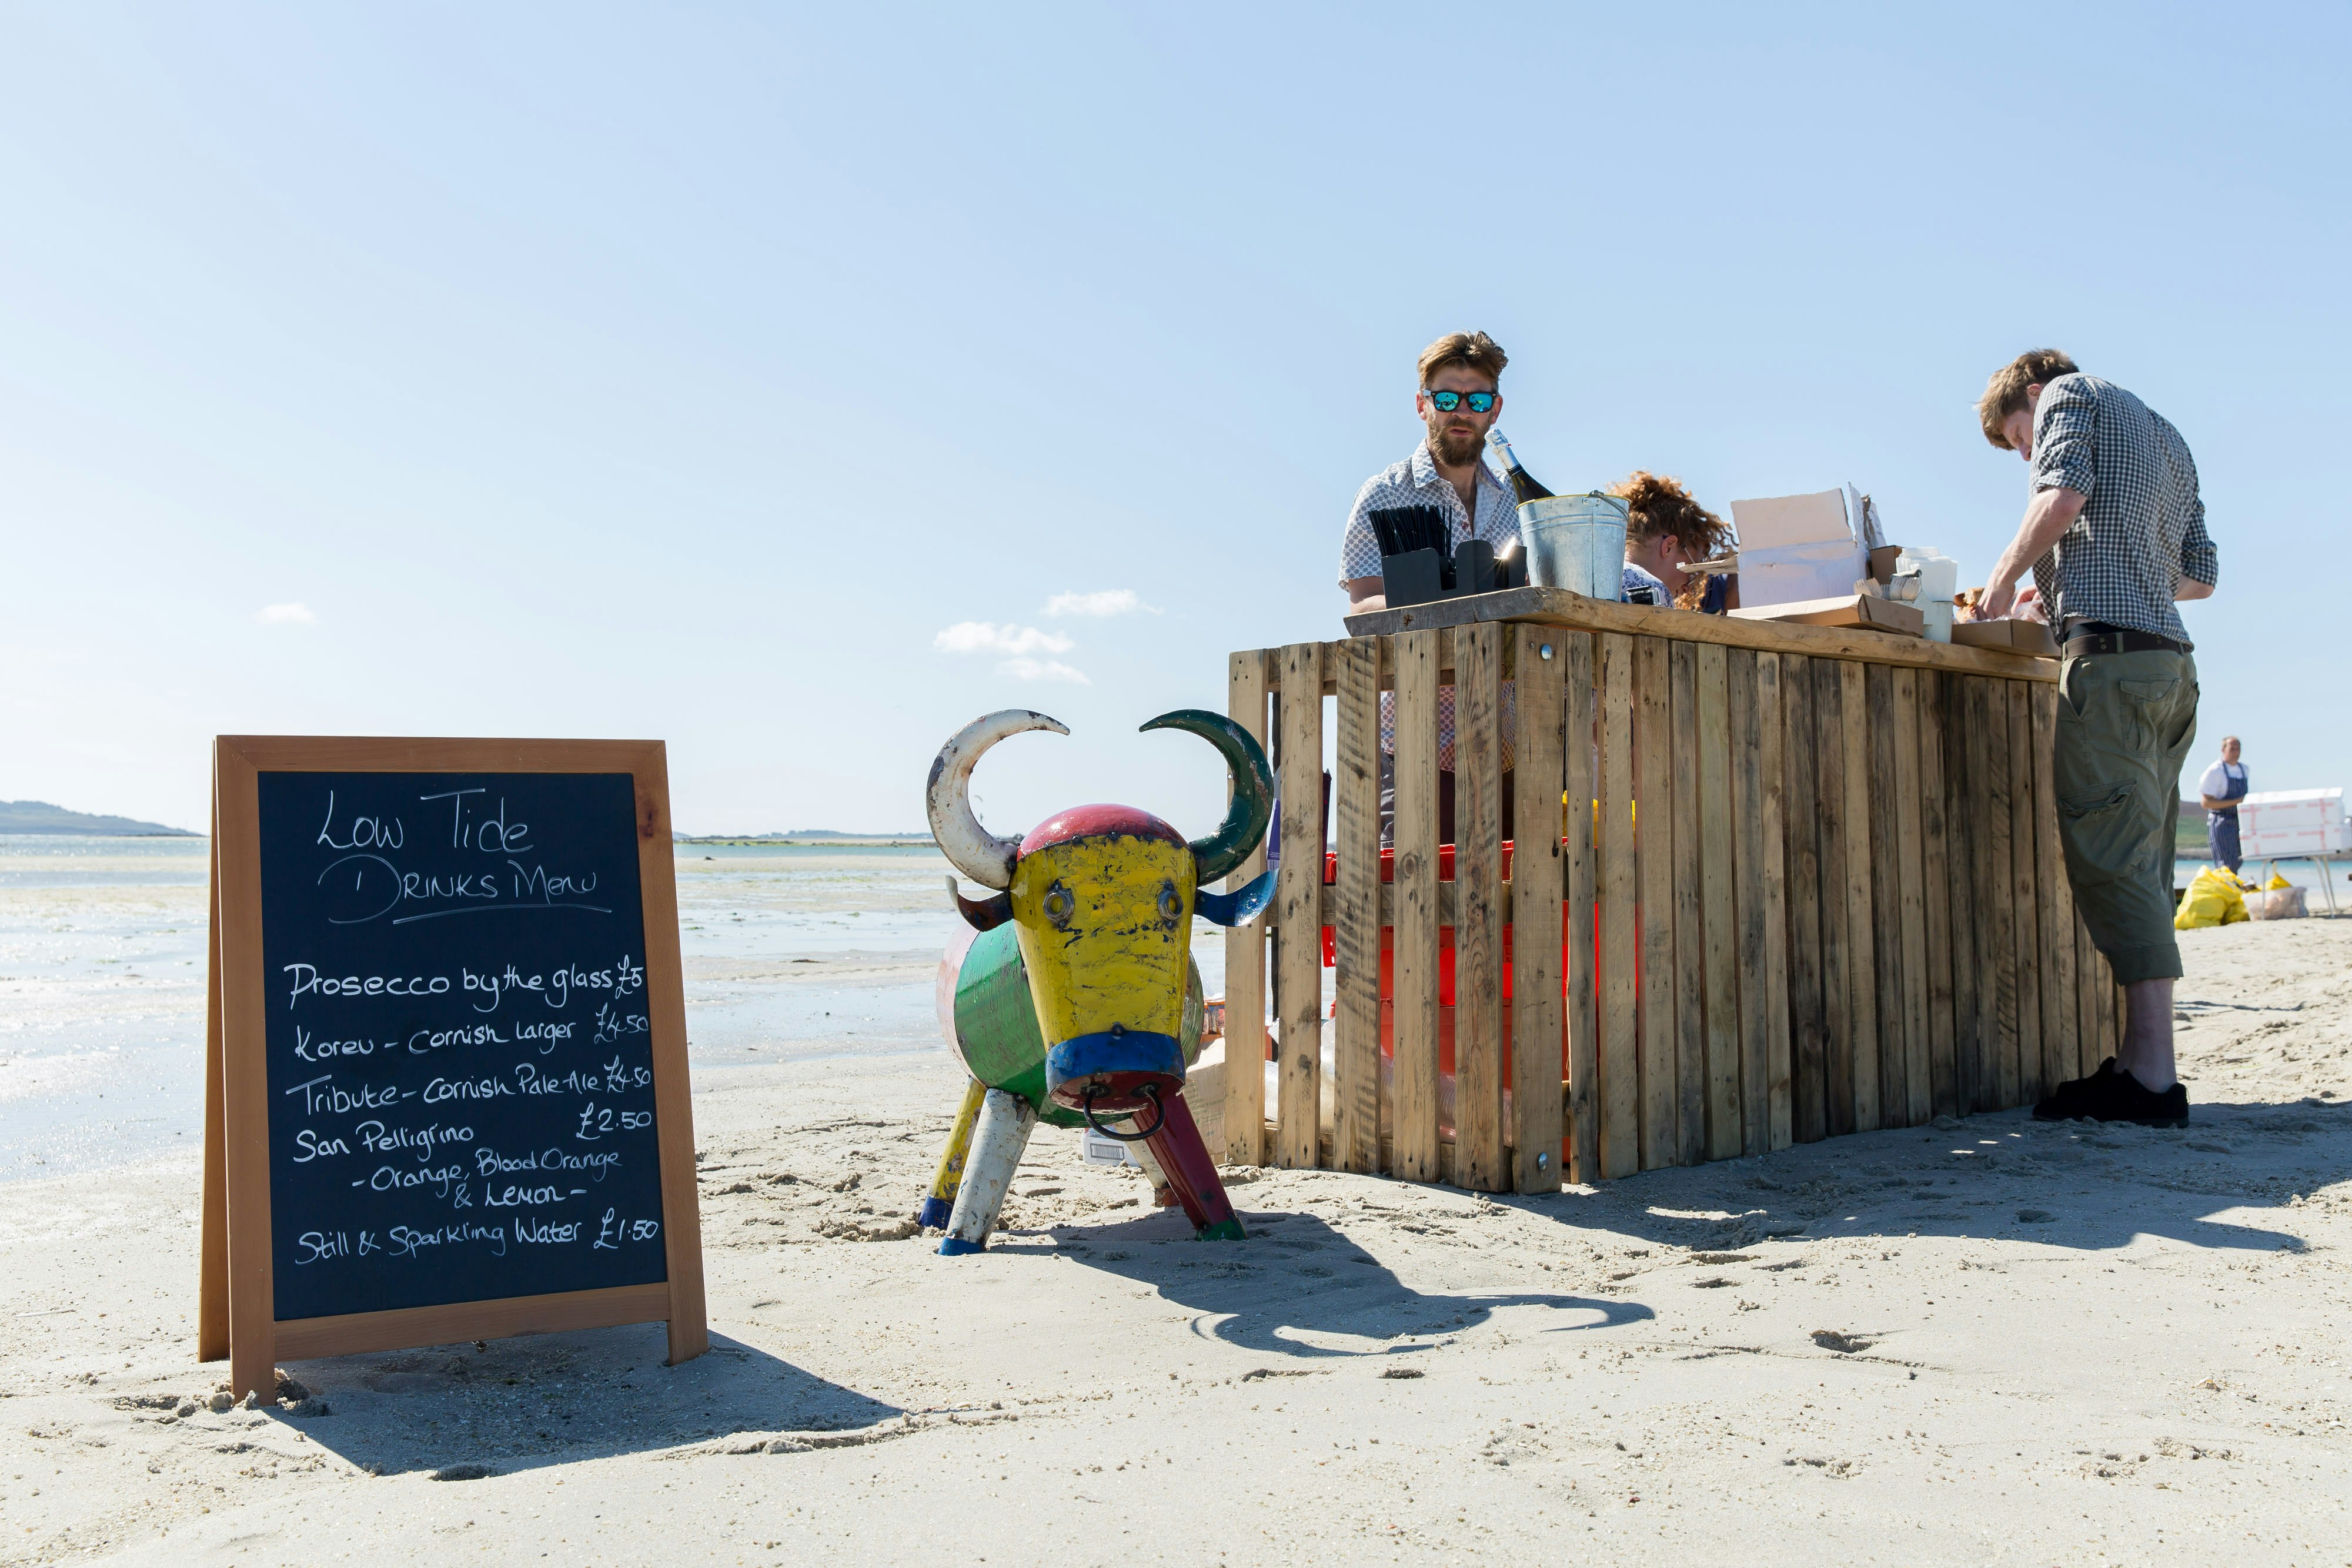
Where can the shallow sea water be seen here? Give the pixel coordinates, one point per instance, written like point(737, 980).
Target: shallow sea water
point(791, 953)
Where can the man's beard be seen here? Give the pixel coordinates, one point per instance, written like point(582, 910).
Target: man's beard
point(1456, 447)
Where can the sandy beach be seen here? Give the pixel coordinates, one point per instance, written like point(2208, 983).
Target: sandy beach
point(1993, 1341)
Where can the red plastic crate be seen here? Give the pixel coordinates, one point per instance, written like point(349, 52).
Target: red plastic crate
point(1446, 962)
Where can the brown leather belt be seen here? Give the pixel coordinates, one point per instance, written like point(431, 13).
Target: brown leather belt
point(2086, 637)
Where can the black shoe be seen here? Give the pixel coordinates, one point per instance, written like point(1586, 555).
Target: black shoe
point(2075, 1097)
point(2111, 1094)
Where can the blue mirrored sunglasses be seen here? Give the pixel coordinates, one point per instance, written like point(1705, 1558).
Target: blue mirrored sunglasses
point(1447, 401)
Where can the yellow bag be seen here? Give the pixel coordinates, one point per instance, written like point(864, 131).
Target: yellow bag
point(2213, 899)
point(2276, 880)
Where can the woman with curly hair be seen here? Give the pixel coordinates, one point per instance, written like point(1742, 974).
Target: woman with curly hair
point(1667, 528)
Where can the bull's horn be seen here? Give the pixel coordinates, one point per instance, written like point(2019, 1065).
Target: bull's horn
point(1253, 806)
point(969, 848)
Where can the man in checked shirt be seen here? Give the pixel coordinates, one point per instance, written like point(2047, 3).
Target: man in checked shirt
point(1459, 403)
point(2114, 533)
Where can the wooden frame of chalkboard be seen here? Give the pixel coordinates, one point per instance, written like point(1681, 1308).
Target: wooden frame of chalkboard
point(239, 1317)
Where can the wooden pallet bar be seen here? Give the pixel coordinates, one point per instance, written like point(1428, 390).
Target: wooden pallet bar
point(1715, 887)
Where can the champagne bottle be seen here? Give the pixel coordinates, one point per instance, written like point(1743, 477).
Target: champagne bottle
point(1523, 484)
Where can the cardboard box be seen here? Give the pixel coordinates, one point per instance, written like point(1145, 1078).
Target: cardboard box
point(2030, 637)
point(1865, 610)
point(1794, 549)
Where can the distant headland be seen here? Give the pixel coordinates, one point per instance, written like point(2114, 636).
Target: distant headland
point(40, 817)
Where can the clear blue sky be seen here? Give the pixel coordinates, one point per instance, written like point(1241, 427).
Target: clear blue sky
point(687, 371)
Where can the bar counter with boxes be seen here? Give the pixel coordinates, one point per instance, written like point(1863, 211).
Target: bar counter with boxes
point(1778, 881)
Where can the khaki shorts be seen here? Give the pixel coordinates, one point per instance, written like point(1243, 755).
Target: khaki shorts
point(2125, 722)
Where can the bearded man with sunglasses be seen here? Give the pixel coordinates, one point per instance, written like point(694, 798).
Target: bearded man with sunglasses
point(1458, 403)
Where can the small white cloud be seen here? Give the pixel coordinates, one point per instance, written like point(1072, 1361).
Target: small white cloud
point(980, 637)
point(1042, 670)
point(1104, 602)
point(295, 614)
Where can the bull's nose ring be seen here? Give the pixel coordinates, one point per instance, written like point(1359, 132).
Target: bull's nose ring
point(1148, 1091)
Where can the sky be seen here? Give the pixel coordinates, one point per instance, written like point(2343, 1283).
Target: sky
point(794, 385)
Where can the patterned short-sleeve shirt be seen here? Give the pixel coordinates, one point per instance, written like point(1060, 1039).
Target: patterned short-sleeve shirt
point(2142, 525)
point(1415, 481)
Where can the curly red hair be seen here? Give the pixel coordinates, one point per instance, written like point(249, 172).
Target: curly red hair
point(1659, 506)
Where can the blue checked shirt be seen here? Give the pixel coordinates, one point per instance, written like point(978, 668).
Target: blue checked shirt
point(2142, 525)
point(1415, 481)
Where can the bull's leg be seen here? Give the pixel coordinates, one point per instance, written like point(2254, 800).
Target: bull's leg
point(1163, 1195)
point(1005, 1123)
point(1180, 1189)
point(1193, 1173)
point(933, 1215)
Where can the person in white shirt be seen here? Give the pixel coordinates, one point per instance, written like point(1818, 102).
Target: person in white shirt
point(2223, 787)
point(1458, 403)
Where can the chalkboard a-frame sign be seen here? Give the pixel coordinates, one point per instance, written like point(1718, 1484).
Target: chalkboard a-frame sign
point(445, 1095)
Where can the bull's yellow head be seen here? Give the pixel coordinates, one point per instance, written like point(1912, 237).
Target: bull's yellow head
point(1102, 900)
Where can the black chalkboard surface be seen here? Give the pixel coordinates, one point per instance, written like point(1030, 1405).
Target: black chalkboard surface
point(460, 1072)
point(447, 1095)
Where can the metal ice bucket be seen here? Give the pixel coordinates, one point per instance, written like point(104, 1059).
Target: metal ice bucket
point(1575, 542)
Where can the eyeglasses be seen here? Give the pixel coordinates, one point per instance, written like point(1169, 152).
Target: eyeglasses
point(1447, 401)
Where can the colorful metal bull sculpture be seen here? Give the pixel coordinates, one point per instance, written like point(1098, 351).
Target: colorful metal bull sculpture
point(1100, 901)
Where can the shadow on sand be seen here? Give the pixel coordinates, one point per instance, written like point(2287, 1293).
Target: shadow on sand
point(1299, 1287)
point(2004, 1177)
point(462, 1410)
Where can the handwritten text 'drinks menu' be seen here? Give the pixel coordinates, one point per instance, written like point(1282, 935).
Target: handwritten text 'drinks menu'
point(461, 1103)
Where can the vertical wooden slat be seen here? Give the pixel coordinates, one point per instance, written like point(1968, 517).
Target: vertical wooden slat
point(1620, 1113)
point(1987, 805)
point(1356, 906)
point(1808, 1029)
point(1837, 951)
point(1964, 860)
point(212, 1276)
point(1718, 874)
point(1861, 918)
point(2061, 1047)
point(1747, 760)
point(1989, 713)
point(2023, 839)
point(1412, 1011)
point(1537, 887)
point(1911, 889)
point(2112, 1012)
point(1886, 899)
point(2110, 1017)
point(250, 1263)
point(1477, 910)
point(1654, 816)
point(1779, 1128)
point(2119, 1009)
point(1245, 951)
point(2087, 964)
point(1583, 1110)
point(1688, 1069)
point(1936, 896)
point(1299, 894)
